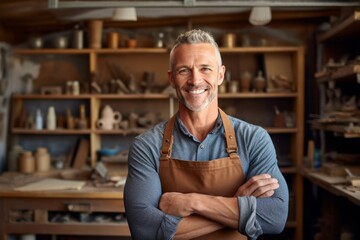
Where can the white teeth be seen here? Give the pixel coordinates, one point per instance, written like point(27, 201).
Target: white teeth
point(197, 91)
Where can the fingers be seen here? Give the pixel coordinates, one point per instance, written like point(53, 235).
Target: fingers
point(258, 186)
point(266, 191)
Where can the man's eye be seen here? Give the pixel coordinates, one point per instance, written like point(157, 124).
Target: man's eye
point(184, 71)
point(206, 70)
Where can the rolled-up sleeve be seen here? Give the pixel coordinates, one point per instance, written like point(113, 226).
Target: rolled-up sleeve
point(141, 197)
point(263, 215)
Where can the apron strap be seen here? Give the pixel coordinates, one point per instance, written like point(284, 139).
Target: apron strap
point(232, 148)
point(229, 136)
point(167, 139)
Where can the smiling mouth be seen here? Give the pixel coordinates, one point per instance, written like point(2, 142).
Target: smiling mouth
point(197, 91)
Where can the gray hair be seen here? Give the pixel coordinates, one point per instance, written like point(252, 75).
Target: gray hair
point(193, 37)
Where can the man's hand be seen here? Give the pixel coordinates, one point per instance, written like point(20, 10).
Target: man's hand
point(259, 186)
point(176, 204)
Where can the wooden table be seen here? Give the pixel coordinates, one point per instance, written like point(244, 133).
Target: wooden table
point(44, 206)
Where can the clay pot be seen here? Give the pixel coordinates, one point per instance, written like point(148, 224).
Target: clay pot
point(229, 40)
point(245, 82)
point(260, 82)
point(70, 121)
point(14, 155)
point(131, 43)
point(42, 160)
point(233, 86)
point(113, 40)
point(82, 122)
point(95, 33)
point(26, 162)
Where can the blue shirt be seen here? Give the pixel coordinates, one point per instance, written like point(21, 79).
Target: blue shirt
point(143, 187)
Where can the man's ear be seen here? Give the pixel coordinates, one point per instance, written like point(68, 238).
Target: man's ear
point(171, 79)
point(221, 75)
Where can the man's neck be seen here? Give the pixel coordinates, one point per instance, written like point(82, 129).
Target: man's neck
point(200, 123)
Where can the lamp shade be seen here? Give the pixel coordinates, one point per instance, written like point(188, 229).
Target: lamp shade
point(124, 14)
point(260, 16)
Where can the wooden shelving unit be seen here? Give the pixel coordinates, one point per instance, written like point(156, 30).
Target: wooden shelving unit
point(337, 126)
point(156, 60)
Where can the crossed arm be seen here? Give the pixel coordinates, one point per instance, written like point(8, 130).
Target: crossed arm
point(204, 214)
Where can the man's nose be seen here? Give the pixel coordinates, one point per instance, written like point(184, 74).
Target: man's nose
point(196, 76)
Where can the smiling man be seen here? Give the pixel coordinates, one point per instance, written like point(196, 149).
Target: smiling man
point(203, 174)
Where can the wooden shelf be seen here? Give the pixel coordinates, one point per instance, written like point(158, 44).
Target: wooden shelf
point(51, 132)
point(288, 170)
point(51, 51)
point(345, 73)
point(343, 30)
point(281, 130)
point(109, 229)
point(120, 132)
point(338, 130)
point(150, 96)
point(259, 49)
point(259, 95)
point(150, 50)
point(89, 51)
point(132, 96)
point(49, 97)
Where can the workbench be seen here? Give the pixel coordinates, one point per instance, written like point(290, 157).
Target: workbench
point(334, 206)
point(338, 186)
point(89, 211)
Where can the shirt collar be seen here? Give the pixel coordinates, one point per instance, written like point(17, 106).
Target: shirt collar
point(181, 126)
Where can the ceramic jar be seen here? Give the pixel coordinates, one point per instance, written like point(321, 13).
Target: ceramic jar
point(229, 40)
point(14, 155)
point(95, 33)
point(26, 162)
point(245, 81)
point(42, 160)
point(133, 120)
point(233, 86)
point(82, 122)
point(60, 42)
point(51, 119)
point(108, 118)
point(131, 43)
point(78, 40)
point(222, 88)
point(36, 42)
point(70, 121)
point(260, 82)
point(113, 39)
point(28, 237)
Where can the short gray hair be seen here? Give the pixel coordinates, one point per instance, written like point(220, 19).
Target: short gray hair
point(193, 37)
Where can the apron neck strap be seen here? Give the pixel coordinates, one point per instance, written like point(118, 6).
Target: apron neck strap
point(229, 136)
point(167, 139)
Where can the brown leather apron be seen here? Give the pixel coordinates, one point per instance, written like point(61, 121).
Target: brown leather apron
point(219, 177)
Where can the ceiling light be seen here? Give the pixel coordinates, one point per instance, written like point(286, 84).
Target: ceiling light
point(260, 16)
point(124, 14)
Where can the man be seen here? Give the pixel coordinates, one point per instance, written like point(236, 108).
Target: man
point(203, 174)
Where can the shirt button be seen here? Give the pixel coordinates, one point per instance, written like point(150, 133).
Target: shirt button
point(202, 146)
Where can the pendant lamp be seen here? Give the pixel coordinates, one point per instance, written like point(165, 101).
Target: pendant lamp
point(124, 14)
point(260, 16)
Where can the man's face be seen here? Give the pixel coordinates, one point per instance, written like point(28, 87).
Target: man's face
point(196, 75)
